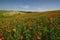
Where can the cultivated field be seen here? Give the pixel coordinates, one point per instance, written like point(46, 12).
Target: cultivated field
point(30, 25)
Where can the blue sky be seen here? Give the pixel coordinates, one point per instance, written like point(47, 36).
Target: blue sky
point(30, 5)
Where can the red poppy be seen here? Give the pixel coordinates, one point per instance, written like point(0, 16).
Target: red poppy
point(21, 38)
point(54, 21)
point(38, 38)
point(0, 30)
point(6, 21)
point(50, 27)
point(2, 36)
point(30, 28)
point(1, 39)
point(56, 27)
point(20, 20)
point(46, 25)
point(29, 22)
point(49, 16)
point(5, 26)
point(14, 29)
point(37, 35)
point(9, 31)
point(38, 26)
point(12, 23)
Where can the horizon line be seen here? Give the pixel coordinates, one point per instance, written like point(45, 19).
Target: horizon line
point(30, 11)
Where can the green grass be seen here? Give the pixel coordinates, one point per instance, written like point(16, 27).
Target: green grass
point(30, 26)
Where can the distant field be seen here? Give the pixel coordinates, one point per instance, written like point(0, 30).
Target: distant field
point(28, 14)
point(20, 25)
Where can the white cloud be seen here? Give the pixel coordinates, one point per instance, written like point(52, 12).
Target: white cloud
point(25, 6)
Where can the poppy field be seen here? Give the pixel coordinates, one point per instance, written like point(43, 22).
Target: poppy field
point(30, 28)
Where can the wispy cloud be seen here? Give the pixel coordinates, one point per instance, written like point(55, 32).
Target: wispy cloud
point(25, 6)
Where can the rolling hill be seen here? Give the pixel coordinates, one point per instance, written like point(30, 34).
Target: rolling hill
point(17, 25)
point(28, 14)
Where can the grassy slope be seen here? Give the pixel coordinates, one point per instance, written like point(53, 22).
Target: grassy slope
point(13, 26)
point(33, 14)
point(47, 13)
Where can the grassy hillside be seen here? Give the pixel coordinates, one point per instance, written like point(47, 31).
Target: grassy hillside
point(29, 14)
point(30, 25)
